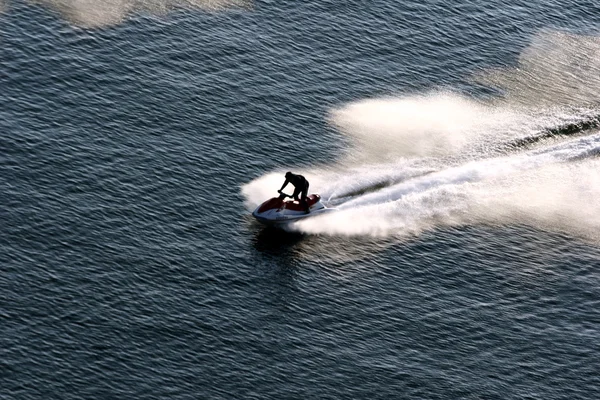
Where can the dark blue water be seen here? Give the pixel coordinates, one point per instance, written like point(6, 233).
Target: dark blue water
point(137, 136)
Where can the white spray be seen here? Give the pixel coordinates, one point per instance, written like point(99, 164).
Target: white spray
point(440, 159)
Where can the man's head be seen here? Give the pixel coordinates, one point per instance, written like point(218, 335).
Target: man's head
point(288, 175)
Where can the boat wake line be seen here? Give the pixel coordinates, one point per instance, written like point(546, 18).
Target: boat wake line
point(441, 159)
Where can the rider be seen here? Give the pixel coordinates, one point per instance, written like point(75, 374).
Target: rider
point(300, 187)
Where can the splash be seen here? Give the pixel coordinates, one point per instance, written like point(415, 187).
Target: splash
point(561, 197)
point(442, 159)
point(96, 14)
point(556, 69)
point(554, 187)
point(431, 124)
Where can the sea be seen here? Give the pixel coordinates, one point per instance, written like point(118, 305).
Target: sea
point(459, 143)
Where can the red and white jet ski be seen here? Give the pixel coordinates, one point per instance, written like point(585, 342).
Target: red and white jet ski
point(277, 210)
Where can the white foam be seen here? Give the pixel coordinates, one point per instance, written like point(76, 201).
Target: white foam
point(438, 159)
point(412, 195)
point(433, 124)
point(534, 186)
point(100, 13)
point(556, 69)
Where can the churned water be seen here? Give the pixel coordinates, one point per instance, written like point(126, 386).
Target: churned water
point(458, 141)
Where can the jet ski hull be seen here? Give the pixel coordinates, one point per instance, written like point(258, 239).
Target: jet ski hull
point(277, 211)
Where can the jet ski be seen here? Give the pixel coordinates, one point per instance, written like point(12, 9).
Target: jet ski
point(278, 211)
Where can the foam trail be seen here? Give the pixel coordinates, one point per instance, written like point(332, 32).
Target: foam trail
point(439, 158)
point(416, 194)
point(101, 13)
point(560, 197)
point(476, 190)
point(433, 124)
point(556, 69)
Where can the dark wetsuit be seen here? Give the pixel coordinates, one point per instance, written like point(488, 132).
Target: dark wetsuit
point(300, 188)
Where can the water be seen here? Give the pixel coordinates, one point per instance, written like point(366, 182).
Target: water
point(459, 143)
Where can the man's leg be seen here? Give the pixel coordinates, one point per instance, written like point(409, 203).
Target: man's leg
point(305, 199)
point(296, 193)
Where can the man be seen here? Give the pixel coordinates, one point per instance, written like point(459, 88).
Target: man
point(300, 187)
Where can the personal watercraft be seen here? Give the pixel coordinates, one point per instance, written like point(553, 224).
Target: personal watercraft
point(278, 211)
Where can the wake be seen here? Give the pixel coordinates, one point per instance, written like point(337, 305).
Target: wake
point(441, 159)
point(545, 187)
point(553, 186)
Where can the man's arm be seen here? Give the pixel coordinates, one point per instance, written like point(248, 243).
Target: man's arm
point(284, 185)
